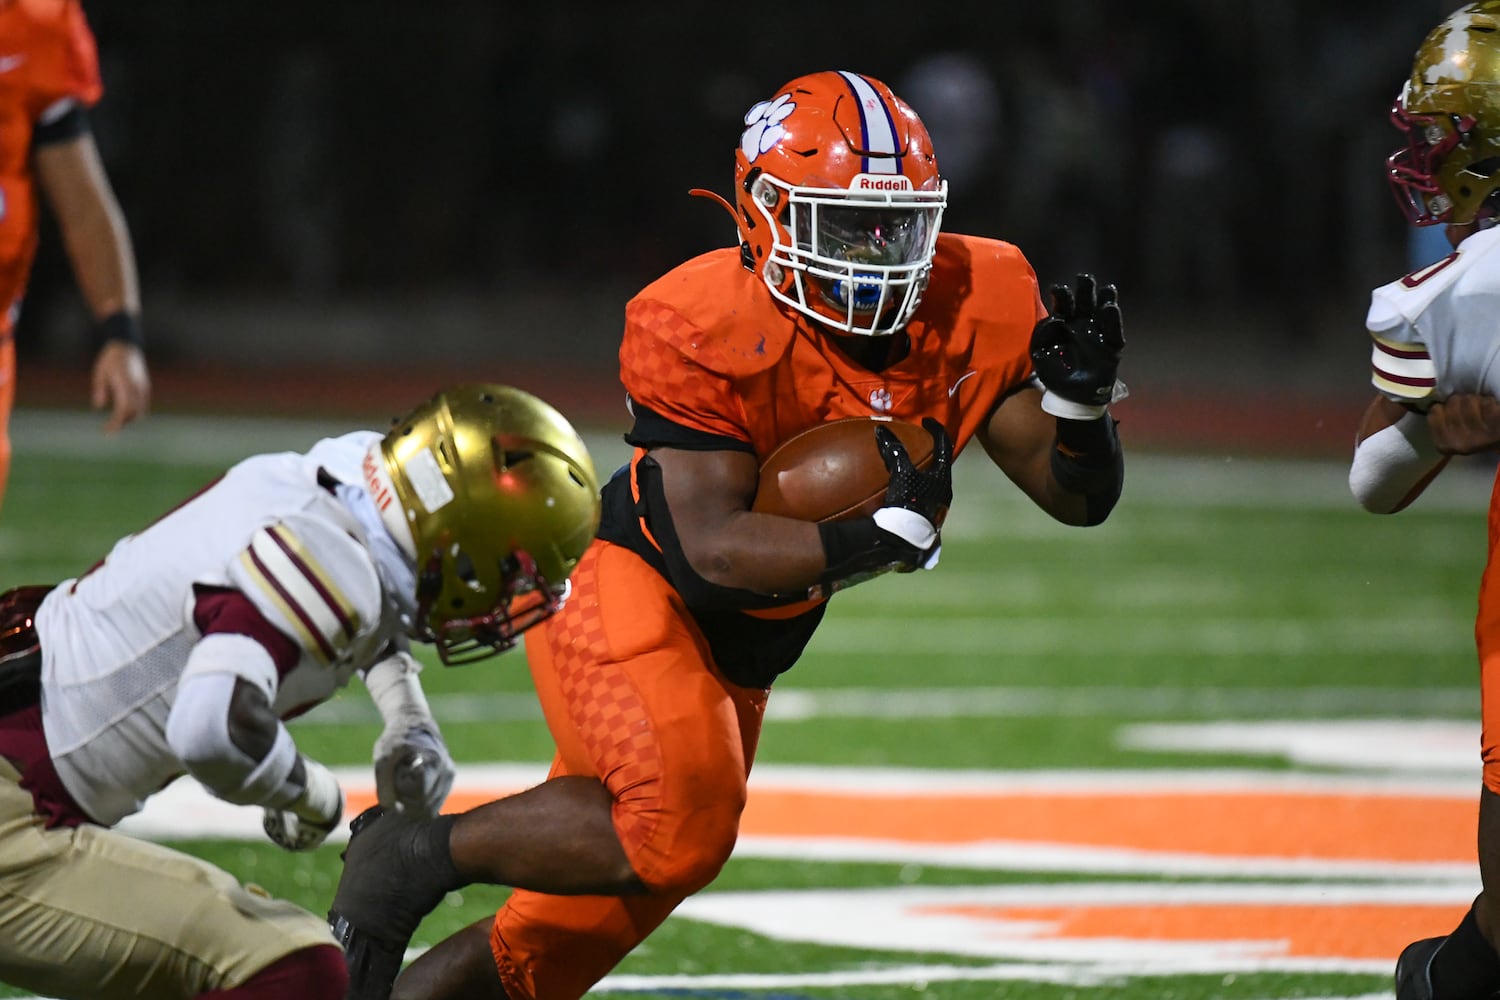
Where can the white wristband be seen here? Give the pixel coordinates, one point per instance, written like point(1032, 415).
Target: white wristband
point(1068, 410)
point(322, 798)
point(394, 687)
point(907, 525)
point(269, 783)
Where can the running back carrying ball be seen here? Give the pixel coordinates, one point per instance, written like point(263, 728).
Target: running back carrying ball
point(834, 471)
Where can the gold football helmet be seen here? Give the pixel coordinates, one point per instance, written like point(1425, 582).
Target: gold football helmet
point(500, 498)
point(1450, 111)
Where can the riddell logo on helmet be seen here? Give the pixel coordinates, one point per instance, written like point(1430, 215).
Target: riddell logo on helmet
point(376, 482)
point(880, 182)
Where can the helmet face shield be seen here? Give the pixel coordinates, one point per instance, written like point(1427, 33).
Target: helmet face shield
point(883, 237)
point(863, 260)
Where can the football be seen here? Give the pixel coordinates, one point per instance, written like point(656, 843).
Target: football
point(834, 471)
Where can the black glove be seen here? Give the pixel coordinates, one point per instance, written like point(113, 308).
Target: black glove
point(1076, 350)
point(396, 870)
point(928, 493)
point(903, 533)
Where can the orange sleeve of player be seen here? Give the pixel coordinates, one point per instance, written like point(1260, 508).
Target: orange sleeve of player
point(61, 61)
point(80, 70)
point(657, 369)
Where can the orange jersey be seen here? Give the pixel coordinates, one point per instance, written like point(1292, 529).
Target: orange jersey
point(707, 347)
point(48, 64)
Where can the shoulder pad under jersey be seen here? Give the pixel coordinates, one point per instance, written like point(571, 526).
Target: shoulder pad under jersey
point(312, 580)
point(991, 274)
point(711, 312)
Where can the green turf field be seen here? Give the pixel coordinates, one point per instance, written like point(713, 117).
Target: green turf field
point(1227, 605)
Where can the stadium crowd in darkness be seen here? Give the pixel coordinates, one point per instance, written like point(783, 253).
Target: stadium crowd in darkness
point(1210, 154)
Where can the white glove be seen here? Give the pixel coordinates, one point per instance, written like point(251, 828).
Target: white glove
point(413, 770)
point(315, 814)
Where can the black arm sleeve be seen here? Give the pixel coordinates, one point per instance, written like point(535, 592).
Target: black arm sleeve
point(1087, 459)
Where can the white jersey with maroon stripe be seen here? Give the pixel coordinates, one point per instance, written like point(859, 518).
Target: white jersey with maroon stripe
point(1437, 330)
point(115, 641)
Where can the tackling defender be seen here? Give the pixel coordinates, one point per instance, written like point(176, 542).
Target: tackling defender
point(1434, 353)
point(841, 298)
point(186, 648)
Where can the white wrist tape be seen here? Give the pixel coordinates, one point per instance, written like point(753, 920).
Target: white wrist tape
point(1390, 463)
point(270, 783)
point(321, 799)
point(396, 689)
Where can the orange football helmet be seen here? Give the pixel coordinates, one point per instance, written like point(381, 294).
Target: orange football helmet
point(839, 201)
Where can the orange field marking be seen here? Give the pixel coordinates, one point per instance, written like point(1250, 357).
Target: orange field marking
point(1238, 823)
point(1345, 931)
point(1235, 823)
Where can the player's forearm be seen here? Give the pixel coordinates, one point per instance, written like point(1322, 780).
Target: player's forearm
point(98, 247)
point(760, 553)
point(92, 226)
point(1393, 464)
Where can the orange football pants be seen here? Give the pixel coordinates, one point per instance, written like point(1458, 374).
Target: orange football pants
point(1487, 640)
point(631, 697)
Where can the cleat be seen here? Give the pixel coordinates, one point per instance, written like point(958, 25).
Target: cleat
point(395, 871)
point(373, 964)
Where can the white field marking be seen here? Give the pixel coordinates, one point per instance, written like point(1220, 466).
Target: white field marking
point(185, 811)
point(997, 638)
point(175, 439)
point(1012, 856)
point(798, 704)
point(904, 920)
point(792, 704)
point(1174, 480)
point(1011, 591)
point(1449, 747)
point(896, 975)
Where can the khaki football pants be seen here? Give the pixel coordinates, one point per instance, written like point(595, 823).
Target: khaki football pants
point(88, 912)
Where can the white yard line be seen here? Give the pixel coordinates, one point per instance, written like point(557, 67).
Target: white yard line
point(794, 704)
point(1179, 480)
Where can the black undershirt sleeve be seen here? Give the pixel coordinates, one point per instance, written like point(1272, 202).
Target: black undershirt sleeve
point(70, 125)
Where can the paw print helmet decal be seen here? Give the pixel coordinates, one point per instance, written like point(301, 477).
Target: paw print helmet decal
point(839, 201)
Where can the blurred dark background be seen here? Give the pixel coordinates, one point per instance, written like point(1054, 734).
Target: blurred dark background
point(470, 183)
